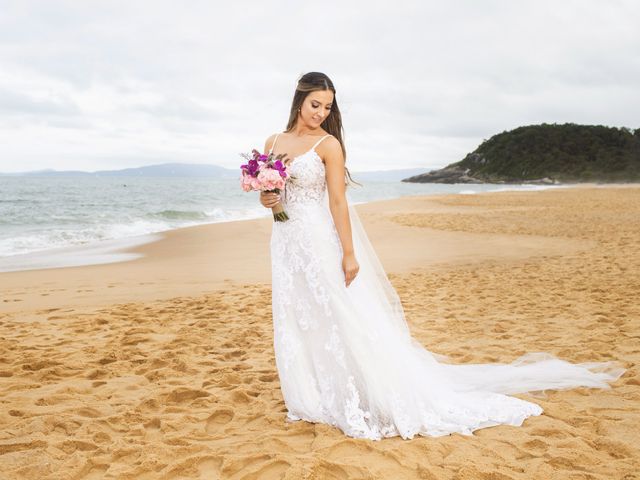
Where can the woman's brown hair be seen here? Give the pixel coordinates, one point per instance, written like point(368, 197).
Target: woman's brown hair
point(311, 82)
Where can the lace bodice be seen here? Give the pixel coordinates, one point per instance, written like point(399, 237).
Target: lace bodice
point(308, 182)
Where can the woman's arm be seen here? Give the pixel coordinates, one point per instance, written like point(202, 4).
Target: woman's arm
point(335, 174)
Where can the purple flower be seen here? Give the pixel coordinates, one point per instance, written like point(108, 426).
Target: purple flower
point(257, 160)
point(278, 165)
point(252, 168)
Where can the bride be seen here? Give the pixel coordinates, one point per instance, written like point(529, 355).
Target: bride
point(343, 349)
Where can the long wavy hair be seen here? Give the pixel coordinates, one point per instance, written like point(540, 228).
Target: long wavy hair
point(311, 82)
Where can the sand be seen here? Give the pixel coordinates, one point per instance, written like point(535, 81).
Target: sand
point(163, 366)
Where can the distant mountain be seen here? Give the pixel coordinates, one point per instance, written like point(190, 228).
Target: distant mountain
point(201, 170)
point(161, 170)
point(547, 153)
point(174, 170)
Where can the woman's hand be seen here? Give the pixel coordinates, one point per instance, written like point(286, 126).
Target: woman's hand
point(350, 268)
point(269, 199)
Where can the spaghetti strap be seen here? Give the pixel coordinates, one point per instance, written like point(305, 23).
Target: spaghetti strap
point(318, 142)
point(274, 143)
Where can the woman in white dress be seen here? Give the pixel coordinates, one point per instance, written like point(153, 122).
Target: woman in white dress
point(343, 349)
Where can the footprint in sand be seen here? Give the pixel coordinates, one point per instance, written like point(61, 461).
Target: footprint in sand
point(39, 365)
point(239, 396)
point(96, 472)
point(209, 467)
point(256, 467)
point(331, 471)
point(218, 420)
point(549, 433)
point(182, 395)
point(614, 448)
point(535, 447)
point(273, 469)
point(71, 446)
point(234, 354)
point(20, 446)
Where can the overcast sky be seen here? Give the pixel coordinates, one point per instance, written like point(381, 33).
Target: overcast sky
point(111, 84)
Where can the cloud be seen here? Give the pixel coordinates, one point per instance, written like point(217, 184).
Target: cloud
point(14, 103)
point(98, 85)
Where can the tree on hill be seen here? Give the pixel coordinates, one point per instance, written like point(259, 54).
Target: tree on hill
point(565, 153)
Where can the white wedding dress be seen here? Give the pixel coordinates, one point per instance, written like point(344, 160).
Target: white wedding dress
point(345, 356)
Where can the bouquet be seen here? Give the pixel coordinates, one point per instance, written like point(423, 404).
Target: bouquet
point(266, 173)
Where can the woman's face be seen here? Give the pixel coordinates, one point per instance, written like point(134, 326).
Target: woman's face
point(316, 107)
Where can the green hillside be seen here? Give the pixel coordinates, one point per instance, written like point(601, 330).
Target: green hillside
point(564, 153)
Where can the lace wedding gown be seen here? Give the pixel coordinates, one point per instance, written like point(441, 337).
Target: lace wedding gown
point(345, 356)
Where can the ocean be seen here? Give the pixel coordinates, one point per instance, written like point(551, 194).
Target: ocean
point(38, 214)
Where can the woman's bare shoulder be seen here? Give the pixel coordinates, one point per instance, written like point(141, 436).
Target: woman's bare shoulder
point(330, 149)
point(331, 143)
point(269, 141)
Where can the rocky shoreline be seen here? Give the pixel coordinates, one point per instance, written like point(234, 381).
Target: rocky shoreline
point(461, 175)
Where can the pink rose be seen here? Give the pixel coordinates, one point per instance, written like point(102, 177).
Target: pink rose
point(245, 186)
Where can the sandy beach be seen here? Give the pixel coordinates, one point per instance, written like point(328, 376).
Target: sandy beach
point(162, 367)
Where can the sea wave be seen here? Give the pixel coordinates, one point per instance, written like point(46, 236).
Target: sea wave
point(525, 187)
point(40, 240)
point(180, 215)
point(62, 237)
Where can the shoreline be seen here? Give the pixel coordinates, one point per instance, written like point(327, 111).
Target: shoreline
point(123, 249)
point(198, 259)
